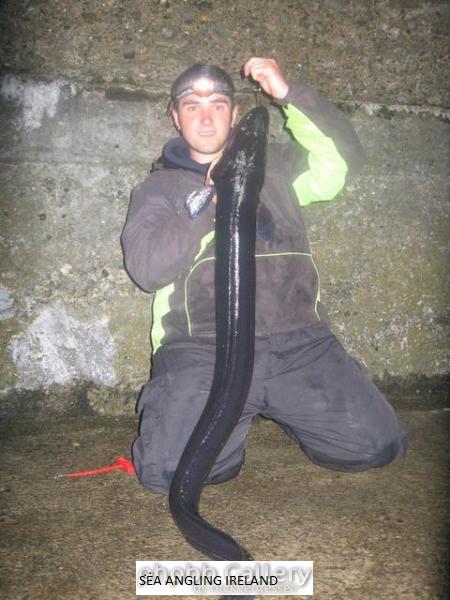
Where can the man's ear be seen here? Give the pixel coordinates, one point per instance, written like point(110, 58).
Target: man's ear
point(175, 119)
point(234, 115)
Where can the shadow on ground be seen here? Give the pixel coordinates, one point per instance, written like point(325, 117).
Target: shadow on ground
point(379, 534)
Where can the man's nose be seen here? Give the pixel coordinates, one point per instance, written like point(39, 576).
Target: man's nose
point(206, 114)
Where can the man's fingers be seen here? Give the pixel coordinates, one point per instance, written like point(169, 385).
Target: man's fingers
point(267, 73)
point(256, 65)
point(208, 180)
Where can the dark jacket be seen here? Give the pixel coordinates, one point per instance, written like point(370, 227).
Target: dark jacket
point(171, 254)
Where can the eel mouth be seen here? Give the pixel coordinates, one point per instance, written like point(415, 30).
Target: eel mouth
point(245, 137)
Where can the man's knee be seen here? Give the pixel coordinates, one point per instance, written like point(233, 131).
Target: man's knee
point(373, 454)
point(156, 473)
point(150, 469)
point(390, 451)
point(381, 455)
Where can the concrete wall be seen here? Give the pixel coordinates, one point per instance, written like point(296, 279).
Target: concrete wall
point(82, 100)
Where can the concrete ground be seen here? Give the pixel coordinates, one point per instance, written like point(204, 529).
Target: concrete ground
point(374, 535)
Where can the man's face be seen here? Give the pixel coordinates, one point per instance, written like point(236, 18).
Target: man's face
point(204, 122)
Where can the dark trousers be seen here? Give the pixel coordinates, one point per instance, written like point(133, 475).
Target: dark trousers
point(303, 379)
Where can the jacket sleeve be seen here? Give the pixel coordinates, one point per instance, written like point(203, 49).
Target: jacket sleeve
point(334, 152)
point(159, 242)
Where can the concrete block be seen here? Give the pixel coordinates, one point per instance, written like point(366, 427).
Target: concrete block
point(74, 328)
point(404, 141)
point(382, 252)
point(388, 51)
point(63, 122)
point(58, 348)
point(34, 125)
point(111, 130)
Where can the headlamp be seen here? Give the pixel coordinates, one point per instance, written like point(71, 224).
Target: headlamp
point(203, 87)
point(202, 80)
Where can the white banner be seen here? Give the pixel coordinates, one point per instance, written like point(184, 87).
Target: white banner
point(209, 578)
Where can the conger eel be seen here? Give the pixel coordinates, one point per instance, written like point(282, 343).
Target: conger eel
point(238, 179)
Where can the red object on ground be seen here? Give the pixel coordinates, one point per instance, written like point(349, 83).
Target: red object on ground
point(120, 464)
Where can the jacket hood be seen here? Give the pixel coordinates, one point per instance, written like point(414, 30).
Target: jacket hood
point(176, 156)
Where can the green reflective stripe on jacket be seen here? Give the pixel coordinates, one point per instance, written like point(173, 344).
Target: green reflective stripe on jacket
point(206, 239)
point(161, 307)
point(204, 242)
point(318, 287)
point(161, 304)
point(186, 307)
point(327, 169)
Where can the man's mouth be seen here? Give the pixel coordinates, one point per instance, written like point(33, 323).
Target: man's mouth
point(206, 133)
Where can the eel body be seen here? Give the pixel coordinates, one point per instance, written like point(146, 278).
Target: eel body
point(238, 179)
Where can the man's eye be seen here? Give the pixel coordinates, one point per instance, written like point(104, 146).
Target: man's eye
point(220, 106)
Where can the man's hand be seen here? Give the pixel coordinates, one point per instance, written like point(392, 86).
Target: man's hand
point(267, 73)
point(208, 180)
